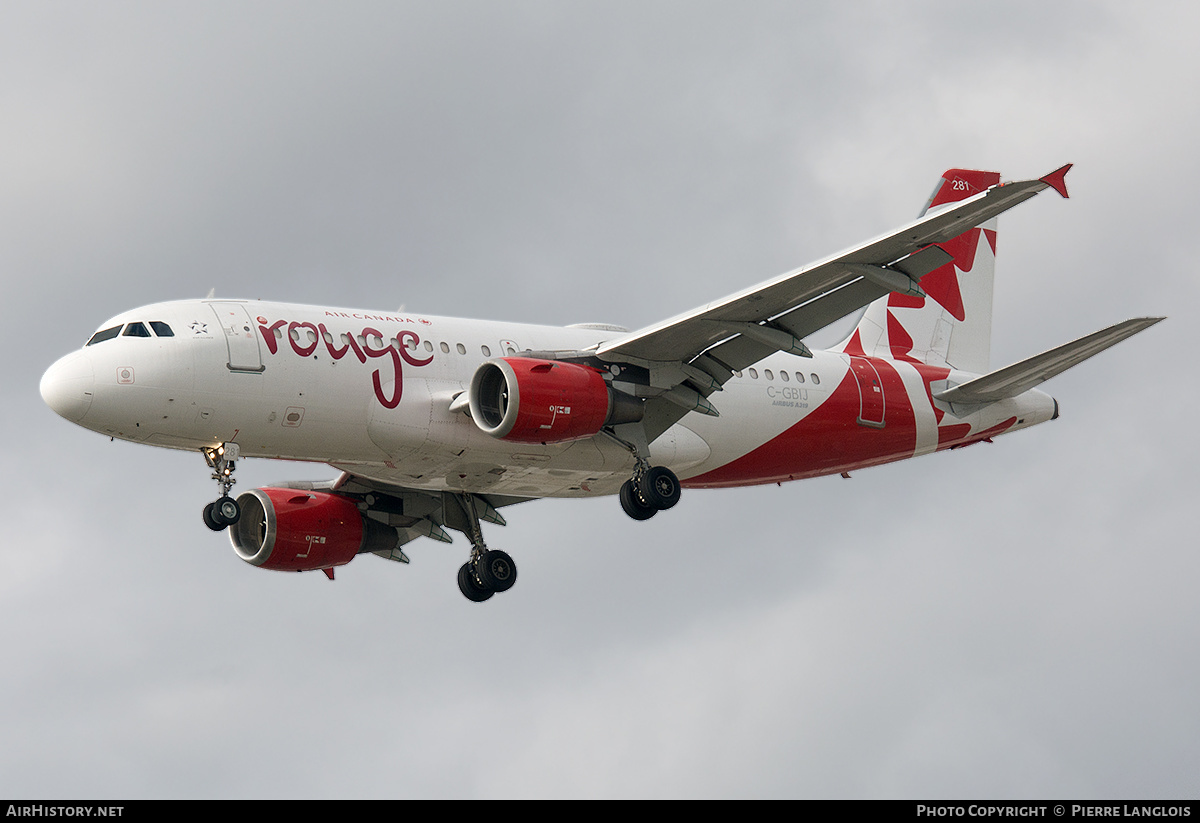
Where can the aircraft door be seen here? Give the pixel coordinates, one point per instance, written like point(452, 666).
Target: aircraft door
point(244, 354)
point(870, 392)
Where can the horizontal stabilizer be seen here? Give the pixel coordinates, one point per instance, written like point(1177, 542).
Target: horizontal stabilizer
point(1020, 377)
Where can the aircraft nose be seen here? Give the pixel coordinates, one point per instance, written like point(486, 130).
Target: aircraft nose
point(67, 386)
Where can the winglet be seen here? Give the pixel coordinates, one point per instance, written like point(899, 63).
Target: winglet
point(1056, 181)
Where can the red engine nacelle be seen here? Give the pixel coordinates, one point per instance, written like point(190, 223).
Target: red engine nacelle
point(544, 401)
point(293, 530)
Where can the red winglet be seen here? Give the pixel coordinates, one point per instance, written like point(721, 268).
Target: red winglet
point(328, 573)
point(1055, 179)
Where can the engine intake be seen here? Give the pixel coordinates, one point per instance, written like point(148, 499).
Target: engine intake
point(528, 400)
point(291, 530)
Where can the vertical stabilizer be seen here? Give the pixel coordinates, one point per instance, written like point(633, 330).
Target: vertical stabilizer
point(952, 324)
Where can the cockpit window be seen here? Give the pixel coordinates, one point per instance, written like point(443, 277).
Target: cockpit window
point(161, 329)
point(106, 334)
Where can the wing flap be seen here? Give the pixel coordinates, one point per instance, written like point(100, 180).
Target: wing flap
point(1013, 380)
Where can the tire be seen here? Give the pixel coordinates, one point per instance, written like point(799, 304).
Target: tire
point(633, 505)
point(497, 571)
point(226, 511)
point(210, 520)
point(471, 589)
point(660, 487)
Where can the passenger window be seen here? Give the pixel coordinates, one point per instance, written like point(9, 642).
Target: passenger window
point(428, 346)
point(486, 351)
point(306, 338)
point(767, 374)
point(445, 348)
point(136, 330)
point(461, 348)
point(753, 374)
point(816, 380)
point(785, 377)
point(107, 334)
point(799, 377)
point(161, 328)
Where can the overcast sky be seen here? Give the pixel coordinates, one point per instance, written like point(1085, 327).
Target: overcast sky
point(1010, 620)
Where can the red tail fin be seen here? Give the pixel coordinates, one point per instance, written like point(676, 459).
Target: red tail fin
point(959, 184)
point(952, 324)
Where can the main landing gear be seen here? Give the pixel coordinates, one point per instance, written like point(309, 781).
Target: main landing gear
point(650, 490)
point(488, 571)
point(223, 511)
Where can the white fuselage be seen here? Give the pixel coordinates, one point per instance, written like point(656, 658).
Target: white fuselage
point(371, 393)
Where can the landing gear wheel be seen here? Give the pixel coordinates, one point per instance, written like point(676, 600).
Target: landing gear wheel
point(469, 587)
point(632, 503)
point(659, 487)
point(226, 511)
point(210, 520)
point(496, 571)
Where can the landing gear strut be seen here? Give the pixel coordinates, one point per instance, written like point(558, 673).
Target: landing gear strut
point(224, 511)
point(652, 488)
point(488, 571)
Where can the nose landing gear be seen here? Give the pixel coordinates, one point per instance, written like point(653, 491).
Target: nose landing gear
point(223, 511)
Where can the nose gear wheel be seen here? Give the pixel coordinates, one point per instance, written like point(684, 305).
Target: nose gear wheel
point(224, 511)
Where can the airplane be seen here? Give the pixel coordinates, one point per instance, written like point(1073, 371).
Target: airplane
point(437, 423)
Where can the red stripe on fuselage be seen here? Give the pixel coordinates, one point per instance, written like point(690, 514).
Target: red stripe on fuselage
point(828, 440)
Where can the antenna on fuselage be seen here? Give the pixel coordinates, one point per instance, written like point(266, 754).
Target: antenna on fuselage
point(211, 293)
